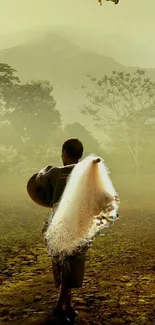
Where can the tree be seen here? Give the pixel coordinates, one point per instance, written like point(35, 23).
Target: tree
point(91, 145)
point(28, 119)
point(8, 152)
point(53, 148)
point(123, 105)
point(34, 115)
point(30, 99)
point(29, 108)
point(8, 80)
point(7, 76)
point(32, 126)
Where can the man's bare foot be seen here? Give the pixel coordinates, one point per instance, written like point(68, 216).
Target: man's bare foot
point(56, 314)
point(71, 313)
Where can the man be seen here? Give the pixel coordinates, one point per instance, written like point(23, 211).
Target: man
point(69, 273)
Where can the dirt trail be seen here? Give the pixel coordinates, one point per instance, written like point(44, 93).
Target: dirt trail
point(118, 287)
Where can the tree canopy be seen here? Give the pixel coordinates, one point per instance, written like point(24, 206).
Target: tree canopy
point(31, 131)
point(123, 106)
point(28, 118)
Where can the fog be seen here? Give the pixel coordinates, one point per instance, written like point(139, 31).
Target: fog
point(124, 31)
point(75, 69)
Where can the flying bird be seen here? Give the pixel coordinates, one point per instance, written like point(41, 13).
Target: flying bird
point(115, 1)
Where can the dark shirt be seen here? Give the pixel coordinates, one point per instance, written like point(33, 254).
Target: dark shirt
point(57, 178)
point(48, 175)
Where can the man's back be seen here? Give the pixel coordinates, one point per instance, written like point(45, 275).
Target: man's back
point(60, 184)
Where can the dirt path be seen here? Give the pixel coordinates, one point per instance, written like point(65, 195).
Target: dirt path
point(118, 287)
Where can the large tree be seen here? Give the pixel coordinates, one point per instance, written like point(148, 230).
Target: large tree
point(31, 134)
point(34, 115)
point(28, 118)
point(8, 152)
point(29, 107)
point(123, 106)
point(8, 81)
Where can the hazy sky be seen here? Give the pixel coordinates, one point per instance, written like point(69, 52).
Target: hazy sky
point(129, 26)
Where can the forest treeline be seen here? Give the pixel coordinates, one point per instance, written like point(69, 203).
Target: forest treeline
point(31, 129)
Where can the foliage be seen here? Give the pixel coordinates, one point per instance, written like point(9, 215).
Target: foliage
point(35, 114)
point(28, 118)
point(29, 108)
point(123, 105)
point(31, 124)
point(91, 145)
point(7, 76)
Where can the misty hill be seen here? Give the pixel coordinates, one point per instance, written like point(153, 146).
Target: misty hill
point(57, 59)
point(66, 65)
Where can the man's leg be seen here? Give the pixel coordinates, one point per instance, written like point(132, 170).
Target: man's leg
point(70, 311)
point(73, 274)
point(67, 275)
point(60, 282)
point(57, 312)
point(68, 300)
point(64, 296)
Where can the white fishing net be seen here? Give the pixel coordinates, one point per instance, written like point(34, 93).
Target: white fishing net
point(87, 205)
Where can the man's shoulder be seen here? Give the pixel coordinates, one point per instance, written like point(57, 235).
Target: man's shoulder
point(47, 175)
point(66, 170)
point(54, 168)
point(54, 171)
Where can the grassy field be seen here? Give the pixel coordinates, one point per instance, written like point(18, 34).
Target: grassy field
point(120, 269)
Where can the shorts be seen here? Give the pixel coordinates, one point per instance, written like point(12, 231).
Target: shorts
point(69, 271)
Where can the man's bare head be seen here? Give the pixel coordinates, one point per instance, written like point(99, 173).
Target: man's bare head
point(72, 151)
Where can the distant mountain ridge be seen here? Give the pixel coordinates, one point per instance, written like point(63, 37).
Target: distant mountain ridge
point(65, 65)
point(56, 56)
